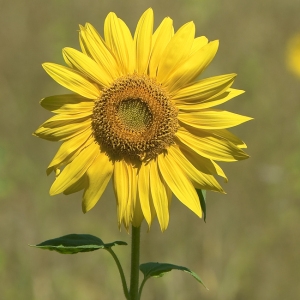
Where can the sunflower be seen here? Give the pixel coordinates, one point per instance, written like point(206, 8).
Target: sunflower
point(139, 116)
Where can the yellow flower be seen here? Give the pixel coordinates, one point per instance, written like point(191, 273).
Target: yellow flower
point(293, 54)
point(140, 117)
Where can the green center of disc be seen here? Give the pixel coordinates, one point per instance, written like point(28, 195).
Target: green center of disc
point(134, 114)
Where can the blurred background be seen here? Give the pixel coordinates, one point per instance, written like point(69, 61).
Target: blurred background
point(249, 246)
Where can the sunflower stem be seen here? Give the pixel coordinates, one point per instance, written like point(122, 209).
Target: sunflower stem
point(135, 263)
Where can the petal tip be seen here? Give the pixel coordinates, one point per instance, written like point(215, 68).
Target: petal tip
point(149, 10)
point(52, 191)
point(84, 209)
point(45, 66)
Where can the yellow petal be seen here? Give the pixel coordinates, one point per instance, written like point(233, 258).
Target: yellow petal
point(82, 42)
point(201, 163)
point(144, 191)
point(62, 119)
point(143, 41)
point(72, 80)
point(138, 215)
point(94, 46)
point(220, 171)
point(192, 67)
point(119, 40)
point(159, 196)
point(87, 66)
point(68, 149)
point(210, 102)
point(209, 146)
point(204, 89)
point(227, 135)
point(75, 170)
point(121, 187)
point(179, 184)
point(198, 43)
point(132, 184)
point(99, 174)
point(176, 51)
point(133, 213)
point(77, 186)
point(152, 209)
point(160, 40)
point(62, 130)
point(212, 119)
point(67, 104)
point(204, 178)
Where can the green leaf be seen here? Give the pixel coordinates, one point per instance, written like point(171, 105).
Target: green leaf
point(75, 243)
point(202, 199)
point(155, 269)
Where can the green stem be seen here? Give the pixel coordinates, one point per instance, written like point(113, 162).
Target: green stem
point(141, 287)
point(135, 263)
point(124, 284)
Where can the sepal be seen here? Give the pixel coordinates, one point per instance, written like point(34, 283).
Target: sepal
point(202, 198)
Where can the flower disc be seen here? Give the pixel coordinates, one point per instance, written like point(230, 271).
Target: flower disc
point(134, 118)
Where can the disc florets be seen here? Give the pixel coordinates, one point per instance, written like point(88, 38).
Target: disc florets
point(134, 118)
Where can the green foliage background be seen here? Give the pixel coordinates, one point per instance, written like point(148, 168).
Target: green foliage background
point(249, 247)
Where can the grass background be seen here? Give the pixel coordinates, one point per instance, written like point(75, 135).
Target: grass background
point(249, 247)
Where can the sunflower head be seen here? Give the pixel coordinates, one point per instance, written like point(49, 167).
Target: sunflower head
point(139, 116)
